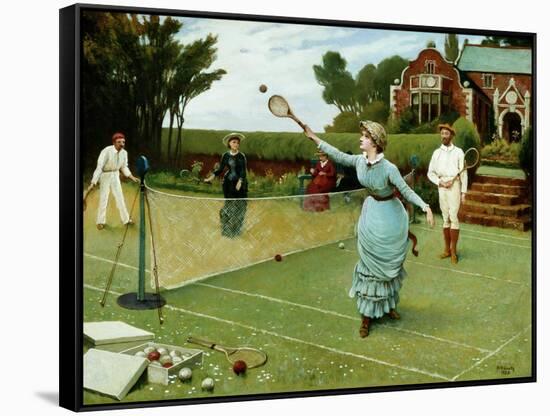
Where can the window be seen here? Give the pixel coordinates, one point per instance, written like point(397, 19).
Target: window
point(487, 80)
point(445, 108)
point(430, 67)
point(415, 106)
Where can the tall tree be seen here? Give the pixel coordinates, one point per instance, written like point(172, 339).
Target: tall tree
point(191, 80)
point(338, 82)
point(507, 41)
point(386, 71)
point(451, 47)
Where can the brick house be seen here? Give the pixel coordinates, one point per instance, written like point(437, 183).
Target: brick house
point(504, 75)
point(488, 86)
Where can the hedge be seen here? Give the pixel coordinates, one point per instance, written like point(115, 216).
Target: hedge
point(295, 146)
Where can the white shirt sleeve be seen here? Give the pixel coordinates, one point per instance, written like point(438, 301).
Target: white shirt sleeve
point(432, 175)
point(124, 168)
point(100, 164)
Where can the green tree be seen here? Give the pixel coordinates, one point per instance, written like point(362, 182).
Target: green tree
point(338, 83)
point(451, 47)
point(507, 41)
point(346, 122)
point(386, 71)
point(366, 91)
point(376, 111)
point(191, 80)
point(430, 44)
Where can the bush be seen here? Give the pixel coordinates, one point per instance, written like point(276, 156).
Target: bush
point(345, 122)
point(375, 111)
point(404, 123)
point(502, 151)
point(467, 137)
point(526, 153)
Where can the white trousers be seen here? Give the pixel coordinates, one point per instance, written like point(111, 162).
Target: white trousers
point(110, 181)
point(449, 202)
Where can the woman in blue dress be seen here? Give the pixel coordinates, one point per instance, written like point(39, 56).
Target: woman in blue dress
point(383, 225)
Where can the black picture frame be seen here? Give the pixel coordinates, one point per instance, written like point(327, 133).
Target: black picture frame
point(71, 207)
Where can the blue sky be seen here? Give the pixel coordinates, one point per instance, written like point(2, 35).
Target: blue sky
point(282, 56)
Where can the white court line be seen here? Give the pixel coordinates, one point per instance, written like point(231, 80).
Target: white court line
point(297, 340)
point(485, 276)
point(327, 312)
point(447, 269)
point(469, 230)
point(481, 239)
point(491, 353)
point(340, 315)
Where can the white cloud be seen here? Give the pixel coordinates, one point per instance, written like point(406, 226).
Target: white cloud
point(280, 56)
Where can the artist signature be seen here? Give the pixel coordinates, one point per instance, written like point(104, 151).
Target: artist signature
point(505, 370)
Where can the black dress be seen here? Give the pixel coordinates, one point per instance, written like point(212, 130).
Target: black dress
point(233, 211)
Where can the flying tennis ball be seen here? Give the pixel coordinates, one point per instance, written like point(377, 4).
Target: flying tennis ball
point(239, 367)
point(263, 88)
point(341, 245)
point(278, 257)
point(153, 356)
point(207, 384)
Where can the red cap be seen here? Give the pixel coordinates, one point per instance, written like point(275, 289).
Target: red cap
point(118, 135)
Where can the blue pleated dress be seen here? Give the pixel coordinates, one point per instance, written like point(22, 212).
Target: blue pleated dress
point(382, 239)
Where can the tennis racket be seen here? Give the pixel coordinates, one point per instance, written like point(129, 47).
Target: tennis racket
point(471, 159)
point(279, 107)
point(251, 356)
point(86, 193)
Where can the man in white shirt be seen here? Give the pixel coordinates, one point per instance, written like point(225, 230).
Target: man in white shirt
point(447, 161)
point(112, 160)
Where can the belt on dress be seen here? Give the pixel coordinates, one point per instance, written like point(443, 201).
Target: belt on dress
point(107, 171)
point(383, 198)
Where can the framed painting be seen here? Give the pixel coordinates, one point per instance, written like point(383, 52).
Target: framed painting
point(258, 207)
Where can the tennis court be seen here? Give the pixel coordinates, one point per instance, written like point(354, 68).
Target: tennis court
point(471, 321)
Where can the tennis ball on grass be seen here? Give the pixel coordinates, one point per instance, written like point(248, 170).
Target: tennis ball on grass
point(185, 374)
point(278, 257)
point(239, 367)
point(207, 384)
point(341, 245)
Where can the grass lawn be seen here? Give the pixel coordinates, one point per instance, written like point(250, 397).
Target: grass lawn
point(463, 322)
point(496, 171)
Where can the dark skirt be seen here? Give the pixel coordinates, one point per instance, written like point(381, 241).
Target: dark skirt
point(234, 210)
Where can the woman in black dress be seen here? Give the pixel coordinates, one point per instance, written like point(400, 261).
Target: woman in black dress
point(235, 186)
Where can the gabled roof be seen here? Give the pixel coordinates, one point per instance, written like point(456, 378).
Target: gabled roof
point(478, 58)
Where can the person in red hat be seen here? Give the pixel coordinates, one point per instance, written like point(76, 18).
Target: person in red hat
point(447, 161)
point(112, 160)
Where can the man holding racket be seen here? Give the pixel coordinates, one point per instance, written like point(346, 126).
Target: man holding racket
point(446, 164)
point(112, 160)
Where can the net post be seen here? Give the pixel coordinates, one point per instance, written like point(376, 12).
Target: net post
point(141, 273)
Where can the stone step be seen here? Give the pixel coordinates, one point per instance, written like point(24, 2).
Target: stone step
point(521, 224)
point(499, 189)
point(497, 199)
point(513, 211)
point(499, 180)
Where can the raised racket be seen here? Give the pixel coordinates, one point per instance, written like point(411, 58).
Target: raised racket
point(279, 107)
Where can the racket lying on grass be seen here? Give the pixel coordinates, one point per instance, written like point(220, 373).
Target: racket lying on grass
point(471, 159)
point(251, 356)
point(280, 108)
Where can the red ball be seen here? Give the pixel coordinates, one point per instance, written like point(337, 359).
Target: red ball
point(278, 257)
point(153, 356)
point(167, 365)
point(239, 367)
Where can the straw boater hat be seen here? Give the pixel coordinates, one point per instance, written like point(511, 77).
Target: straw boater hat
point(376, 131)
point(230, 136)
point(446, 126)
